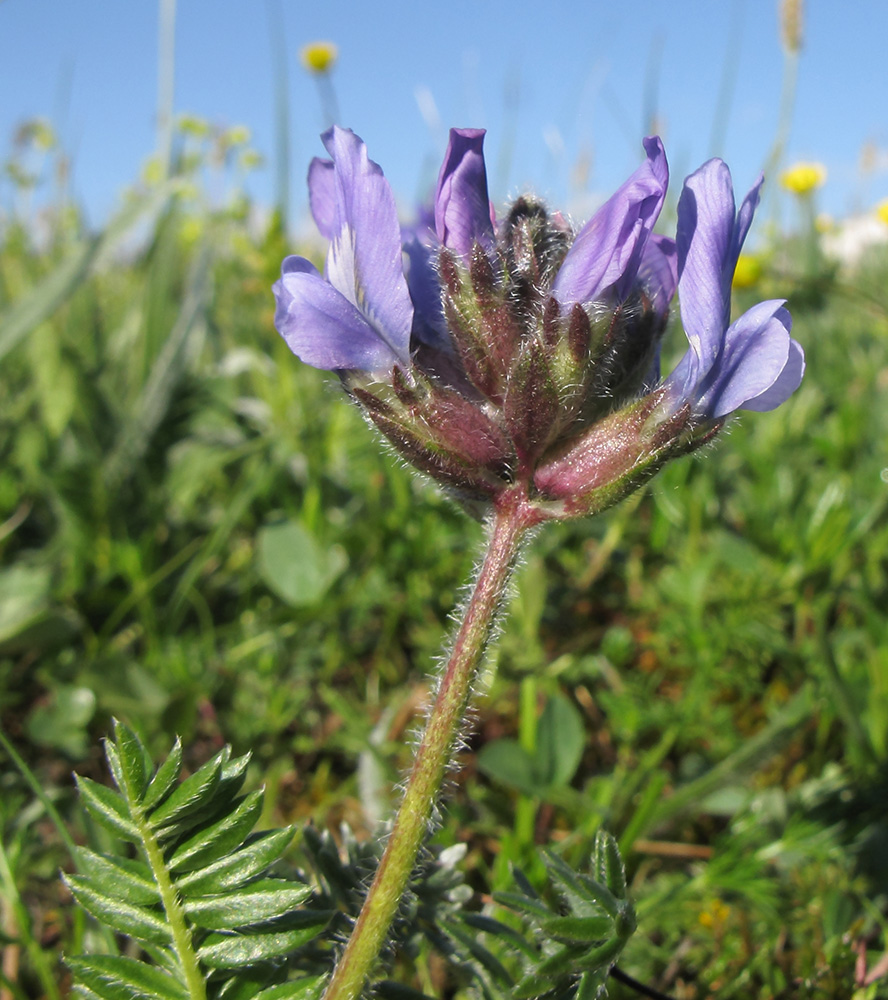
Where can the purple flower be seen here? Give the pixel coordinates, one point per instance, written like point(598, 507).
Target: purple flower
point(609, 249)
point(753, 364)
point(518, 359)
point(360, 314)
point(463, 213)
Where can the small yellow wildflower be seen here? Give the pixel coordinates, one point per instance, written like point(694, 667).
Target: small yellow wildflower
point(748, 271)
point(803, 178)
point(715, 916)
point(882, 210)
point(319, 57)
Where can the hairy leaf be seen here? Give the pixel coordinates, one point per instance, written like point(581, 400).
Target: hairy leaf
point(114, 977)
point(120, 878)
point(193, 793)
point(239, 867)
point(232, 951)
point(124, 917)
point(256, 904)
point(108, 808)
point(214, 842)
point(165, 778)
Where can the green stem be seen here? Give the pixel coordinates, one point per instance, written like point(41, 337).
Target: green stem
point(182, 944)
point(175, 914)
point(434, 754)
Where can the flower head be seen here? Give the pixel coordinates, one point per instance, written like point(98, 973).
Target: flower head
point(319, 57)
point(803, 178)
point(518, 356)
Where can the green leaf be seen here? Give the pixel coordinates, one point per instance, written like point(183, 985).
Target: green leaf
point(132, 761)
point(166, 776)
point(246, 984)
point(484, 957)
point(592, 985)
point(499, 930)
point(114, 977)
point(579, 930)
point(194, 792)
point(309, 988)
point(560, 741)
point(259, 902)
point(119, 878)
point(508, 762)
point(294, 565)
point(237, 868)
point(515, 901)
point(219, 839)
point(122, 916)
point(608, 865)
point(108, 808)
point(62, 722)
point(233, 951)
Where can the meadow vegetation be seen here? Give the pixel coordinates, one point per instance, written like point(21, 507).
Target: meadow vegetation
point(199, 537)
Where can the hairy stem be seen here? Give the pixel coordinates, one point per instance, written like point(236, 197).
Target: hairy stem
point(434, 753)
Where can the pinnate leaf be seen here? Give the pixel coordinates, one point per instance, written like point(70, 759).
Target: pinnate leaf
point(165, 778)
point(216, 841)
point(309, 988)
point(120, 878)
point(108, 808)
point(231, 951)
point(194, 792)
point(142, 924)
point(239, 867)
point(258, 902)
point(114, 977)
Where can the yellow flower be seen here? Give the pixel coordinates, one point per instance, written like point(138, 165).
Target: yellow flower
point(882, 210)
point(803, 178)
point(748, 270)
point(319, 57)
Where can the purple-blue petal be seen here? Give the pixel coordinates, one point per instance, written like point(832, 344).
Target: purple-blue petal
point(462, 204)
point(658, 271)
point(364, 259)
point(321, 326)
point(759, 367)
point(785, 384)
point(704, 238)
point(322, 195)
point(429, 325)
point(608, 249)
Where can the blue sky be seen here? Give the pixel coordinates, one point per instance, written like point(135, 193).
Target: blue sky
point(574, 87)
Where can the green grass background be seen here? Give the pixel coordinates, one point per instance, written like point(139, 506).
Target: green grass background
point(199, 536)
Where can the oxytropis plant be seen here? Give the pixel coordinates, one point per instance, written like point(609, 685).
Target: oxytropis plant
point(516, 361)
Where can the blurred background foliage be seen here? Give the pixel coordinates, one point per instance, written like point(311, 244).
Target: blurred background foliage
point(199, 536)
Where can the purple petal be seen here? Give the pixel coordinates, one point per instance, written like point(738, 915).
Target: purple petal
point(429, 325)
point(741, 228)
point(608, 249)
point(322, 195)
point(759, 367)
point(364, 259)
point(703, 241)
point(658, 271)
point(321, 326)
point(462, 205)
point(784, 386)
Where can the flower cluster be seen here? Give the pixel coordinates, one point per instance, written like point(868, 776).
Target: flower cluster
point(518, 357)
